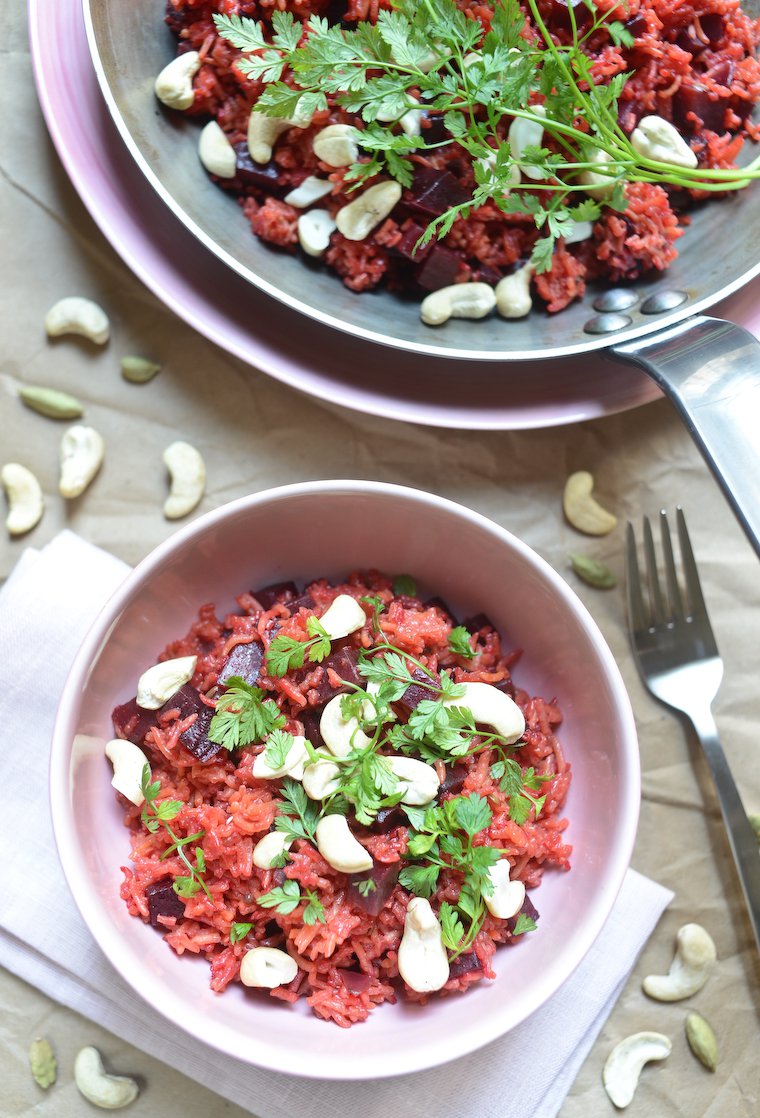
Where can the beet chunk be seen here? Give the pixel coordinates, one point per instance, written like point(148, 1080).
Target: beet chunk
point(465, 964)
point(245, 660)
point(263, 175)
point(415, 693)
point(310, 720)
point(507, 686)
point(410, 235)
point(343, 663)
point(276, 592)
point(443, 606)
point(434, 192)
point(695, 98)
point(304, 600)
point(440, 268)
point(385, 876)
point(387, 819)
point(454, 779)
point(131, 721)
point(478, 622)
point(355, 980)
point(195, 738)
point(528, 909)
point(163, 901)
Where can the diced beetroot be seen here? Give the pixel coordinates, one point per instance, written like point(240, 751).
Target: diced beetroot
point(355, 980)
point(131, 721)
point(637, 25)
point(187, 701)
point(264, 175)
point(310, 720)
point(304, 601)
point(343, 663)
point(385, 876)
point(464, 964)
point(387, 819)
point(415, 693)
point(695, 98)
point(245, 660)
point(276, 592)
point(484, 273)
point(528, 909)
point(478, 622)
point(434, 129)
point(410, 235)
point(434, 192)
point(163, 901)
point(507, 686)
point(442, 606)
point(439, 269)
point(560, 13)
point(454, 780)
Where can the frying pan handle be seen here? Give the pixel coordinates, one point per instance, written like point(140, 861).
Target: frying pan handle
point(710, 369)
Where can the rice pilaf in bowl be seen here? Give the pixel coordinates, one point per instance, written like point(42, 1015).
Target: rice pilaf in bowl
point(427, 796)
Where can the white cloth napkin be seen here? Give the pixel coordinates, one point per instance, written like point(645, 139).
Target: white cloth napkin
point(45, 609)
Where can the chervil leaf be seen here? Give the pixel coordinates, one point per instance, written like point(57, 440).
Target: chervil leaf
point(279, 744)
point(459, 642)
point(523, 924)
point(285, 654)
point(243, 716)
point(420, 880)
point(452, 929)
point(472, 813)
point(283, 898)
point(404, 586)
point(320, 645)
point(185, 886)
point(239, 931)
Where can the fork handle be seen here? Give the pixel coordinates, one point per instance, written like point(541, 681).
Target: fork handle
point(741, 836)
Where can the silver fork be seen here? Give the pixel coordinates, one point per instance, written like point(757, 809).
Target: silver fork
point(678, 660)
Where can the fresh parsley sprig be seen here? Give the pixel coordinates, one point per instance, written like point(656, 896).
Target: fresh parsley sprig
point(430, 55)
point(160, 813)
point(299, 815)
point(459, 642)
point(518, 786)
point(286, 898)
point(286, 654)
point(243, 716)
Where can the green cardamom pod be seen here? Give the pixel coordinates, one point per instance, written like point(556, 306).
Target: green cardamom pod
point(50, 402)
point(593, 572)
point(702, 1040)
point(42, 1062)
point(138, 370)
point(754, 822)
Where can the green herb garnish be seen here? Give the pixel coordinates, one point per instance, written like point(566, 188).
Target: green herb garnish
point(404, 586)
point(239, 931)
point(286, 654)
point(427, 54)
point(459, 642)
point(286, 898)
point(524, 923)
point(243, 716)
point(299, 815)
point(159, 813)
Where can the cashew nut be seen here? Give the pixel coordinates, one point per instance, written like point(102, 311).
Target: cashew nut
point(338, 846)
point(491, 707)
point(524, 134)
point(312, 189)
point(267, 967)
point(77, 315)
point(215, 151)
point(411, 122)
point(625, 1061)
point(263, 132)
point(461, 300)
point(293, 765)
point(25, 503)
point(582, 510)
point(508, 896)
point(163, 680)
point(581, 231)
point(336, 145)
point(513, 298)
point(357, 220)
point(82, 450)
point(422, 960)
point(340, 734)
point(267, 851)
point(320, 779)
point(694, 959)
point(128, 762)
point(174, 85)
point(656, 138)
point(188, 479)
point(343, 616)
point(110, 1092)
point(599, 186)
point(314, 229)
point(417, 782)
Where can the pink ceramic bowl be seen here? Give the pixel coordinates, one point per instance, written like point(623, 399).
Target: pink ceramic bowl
point(329, 528)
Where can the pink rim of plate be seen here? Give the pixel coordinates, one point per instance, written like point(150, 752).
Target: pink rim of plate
point(435, 1052)
point(263, 333)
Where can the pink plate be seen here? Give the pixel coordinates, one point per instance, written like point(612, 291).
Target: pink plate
point(261, 331)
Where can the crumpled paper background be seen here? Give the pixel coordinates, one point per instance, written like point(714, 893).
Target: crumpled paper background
point(254, 432)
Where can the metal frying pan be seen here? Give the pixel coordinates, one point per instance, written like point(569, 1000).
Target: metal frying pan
point(708, 367)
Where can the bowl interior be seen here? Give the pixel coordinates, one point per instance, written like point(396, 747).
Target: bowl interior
point(328, 528)
point(130, 47)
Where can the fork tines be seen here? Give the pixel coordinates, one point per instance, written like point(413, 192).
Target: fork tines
point(674, 603)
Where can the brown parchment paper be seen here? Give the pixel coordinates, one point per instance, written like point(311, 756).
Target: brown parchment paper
point(254, 432)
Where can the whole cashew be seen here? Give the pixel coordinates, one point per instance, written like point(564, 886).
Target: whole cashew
point(110, 1092)
point(215, 151)
point(694, 960)
point(508, 896)
point(267, 967)
point(625, 1061)
point(320, 779)
point(582, 510)
point(77, 315)
point(417, 782)
point(263, 132)
point(314, 230)
point(293, 765)
point(339, 848)
point(513, 298)
point(311, 190)
point(656, 138)
point(598, 186)
point(129, 763)
point(422, 960)
point(174, 85)
point(336, 145)
point(268, 850)
point(357, 220)
point(82, 451)
point(524, 134)
point(460, 300)
point(340, 734)
point(25, 503)
point(342, 617)
point(188, 479)
point(492, 707)
point(159, 683)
